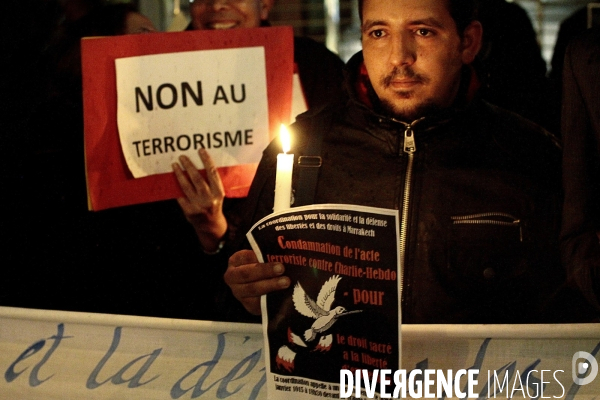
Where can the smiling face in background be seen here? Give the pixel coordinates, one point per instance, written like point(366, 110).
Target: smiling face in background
point(414, 53)
point(227, 14)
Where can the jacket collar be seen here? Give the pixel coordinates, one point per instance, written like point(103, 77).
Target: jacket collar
point(362, 94)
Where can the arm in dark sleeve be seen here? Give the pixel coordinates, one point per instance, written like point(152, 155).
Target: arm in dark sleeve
point(580, 246)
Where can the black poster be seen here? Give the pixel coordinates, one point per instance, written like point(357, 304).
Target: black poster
point(342, 310)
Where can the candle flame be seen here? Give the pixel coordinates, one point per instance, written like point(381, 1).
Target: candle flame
point(284, 137)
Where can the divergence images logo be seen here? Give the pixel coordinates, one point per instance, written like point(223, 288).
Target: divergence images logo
point(583, 363)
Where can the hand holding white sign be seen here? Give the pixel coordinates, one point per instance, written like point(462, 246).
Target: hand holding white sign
point(150, 100)
point(203, 201)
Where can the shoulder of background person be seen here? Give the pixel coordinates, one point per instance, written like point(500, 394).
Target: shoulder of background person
point(320, 71)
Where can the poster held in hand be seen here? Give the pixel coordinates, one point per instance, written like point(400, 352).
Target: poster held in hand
point(342, 309)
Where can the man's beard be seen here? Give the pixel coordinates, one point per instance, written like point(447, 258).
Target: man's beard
point(410, 113)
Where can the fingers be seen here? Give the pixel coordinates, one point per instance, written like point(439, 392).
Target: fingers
point(249, 279)
point(214, 180)
point(242, 257)
point(196, 183)
point(260, 278)
point(185, 185)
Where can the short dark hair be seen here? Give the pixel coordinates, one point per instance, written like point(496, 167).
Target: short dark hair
point(462, 11)
point(108, 20)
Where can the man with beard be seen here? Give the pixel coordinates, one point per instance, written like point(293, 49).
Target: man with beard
point(476, 186)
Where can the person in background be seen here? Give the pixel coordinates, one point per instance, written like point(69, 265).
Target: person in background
point(415, 136)
point(580, 234)
point(63, 65)
point(122, 261)
point(215, 219)
point(572, 26)
point(319, 69)
point(510, 65)
point(117, 19)
point(26, 32)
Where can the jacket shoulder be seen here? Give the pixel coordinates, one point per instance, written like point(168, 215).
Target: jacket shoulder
point(586, 44)
point(320, 72)
point(315, 122)
point(305, 49)
point(523, 146)
point(516, 134)
point(307, 126)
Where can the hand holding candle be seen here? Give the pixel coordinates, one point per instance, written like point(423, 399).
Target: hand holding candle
point(283, 178)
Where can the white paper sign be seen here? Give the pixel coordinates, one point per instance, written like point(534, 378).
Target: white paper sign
point(173, 104)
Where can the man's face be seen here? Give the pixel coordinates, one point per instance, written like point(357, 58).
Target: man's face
point(413, 54)
point(226, 14)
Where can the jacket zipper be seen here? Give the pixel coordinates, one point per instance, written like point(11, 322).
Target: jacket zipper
point(409, 148)
point(489, 218)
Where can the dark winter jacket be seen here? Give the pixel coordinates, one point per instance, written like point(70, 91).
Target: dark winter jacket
point(581, 166)
point(478, 194)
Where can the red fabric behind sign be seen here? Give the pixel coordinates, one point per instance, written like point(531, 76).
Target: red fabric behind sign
point(110, 184)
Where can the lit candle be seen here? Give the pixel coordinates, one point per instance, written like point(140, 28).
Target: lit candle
point(283, 178)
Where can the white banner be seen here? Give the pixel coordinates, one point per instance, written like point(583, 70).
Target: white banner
point(173, 104)
point(48, 355)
